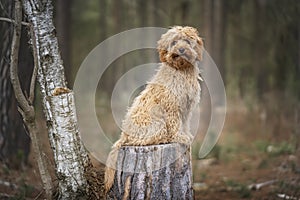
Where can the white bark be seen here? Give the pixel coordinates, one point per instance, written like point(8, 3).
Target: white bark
point(70, 156)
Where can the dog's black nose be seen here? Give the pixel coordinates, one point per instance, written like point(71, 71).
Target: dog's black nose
point(181, 50)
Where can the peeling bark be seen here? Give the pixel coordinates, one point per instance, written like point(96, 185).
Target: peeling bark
point(71, 159)
point(153, 172)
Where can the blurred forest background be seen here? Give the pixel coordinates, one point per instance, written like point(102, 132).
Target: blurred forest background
point(254, 43)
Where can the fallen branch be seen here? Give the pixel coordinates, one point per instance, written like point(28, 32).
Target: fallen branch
point(284, 196)
point(260, 185)
point(6, 196)
point(8, 184)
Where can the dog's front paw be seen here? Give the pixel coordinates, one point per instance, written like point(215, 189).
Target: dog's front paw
point(183, 138)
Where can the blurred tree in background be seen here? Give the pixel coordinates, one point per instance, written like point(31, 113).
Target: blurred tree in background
point(14, 140)
point(255, 43)
point(63, 24)
point(264, 46)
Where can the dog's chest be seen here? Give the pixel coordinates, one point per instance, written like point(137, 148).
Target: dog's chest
point(190, 95)
point(184, 85)
point(187, 90)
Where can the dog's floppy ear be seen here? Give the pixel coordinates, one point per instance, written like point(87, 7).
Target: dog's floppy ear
point(162, 48)
point(193, 33)
point(199, 47)
point(163, 45)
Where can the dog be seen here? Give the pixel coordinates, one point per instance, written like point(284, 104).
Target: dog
point(161, 113)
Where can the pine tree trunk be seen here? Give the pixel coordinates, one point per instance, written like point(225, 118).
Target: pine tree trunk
point(70, 157)
point(153, 172)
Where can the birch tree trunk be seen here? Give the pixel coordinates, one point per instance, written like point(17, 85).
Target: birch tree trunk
point(71, 159)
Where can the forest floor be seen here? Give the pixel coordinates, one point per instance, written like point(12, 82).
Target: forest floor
point(240, 178)
point(246, 154)
point(252, 150)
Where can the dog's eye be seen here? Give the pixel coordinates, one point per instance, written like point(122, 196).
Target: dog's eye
point(173, 43)
point(187, 41)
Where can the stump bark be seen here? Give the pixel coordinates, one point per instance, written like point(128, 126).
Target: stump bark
point(153, 172)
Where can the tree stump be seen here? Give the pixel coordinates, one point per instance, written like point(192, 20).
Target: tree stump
point(153, 172)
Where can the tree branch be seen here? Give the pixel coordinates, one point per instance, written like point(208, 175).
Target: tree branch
point(23, 103)
point(27, 110)
point(13, 21)
point(35, 67)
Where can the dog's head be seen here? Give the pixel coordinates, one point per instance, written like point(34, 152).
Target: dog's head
point(180, 47)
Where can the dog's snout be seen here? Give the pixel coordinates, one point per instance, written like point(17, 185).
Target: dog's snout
point(181, 50)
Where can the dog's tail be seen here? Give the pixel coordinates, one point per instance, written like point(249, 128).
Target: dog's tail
point(110, 169)
point(111, 165)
